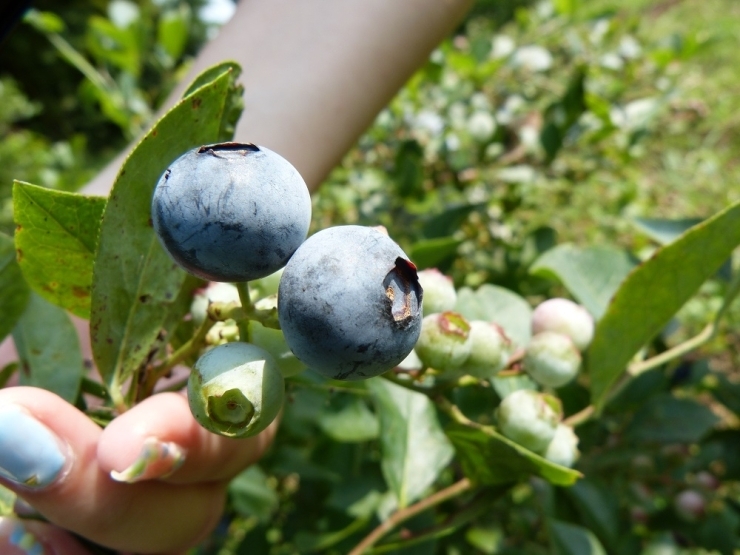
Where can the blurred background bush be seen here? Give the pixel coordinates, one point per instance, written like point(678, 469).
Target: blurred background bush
point(536, 124)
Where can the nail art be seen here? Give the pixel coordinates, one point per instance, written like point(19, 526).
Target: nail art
point(30, 454)
point(14, 533)
point(23, 539)
point(157, 459)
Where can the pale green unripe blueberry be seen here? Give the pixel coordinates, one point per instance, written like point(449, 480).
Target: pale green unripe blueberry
point(216, 292)
point(235, 390)
point(566, 317)
point(529, 418)
point(563, 448)
point(444, 342)
point(439, 291)
point(551, 359)
point(490, 350)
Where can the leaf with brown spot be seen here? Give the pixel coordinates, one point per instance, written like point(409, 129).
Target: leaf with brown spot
point(56, 237)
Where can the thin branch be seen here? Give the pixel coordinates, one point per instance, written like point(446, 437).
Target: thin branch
point(674, 352)
point(580, 417)
point(408, 384)
point(404, 514)
point(191, 346)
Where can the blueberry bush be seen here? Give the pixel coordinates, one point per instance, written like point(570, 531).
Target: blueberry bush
point(545, 318)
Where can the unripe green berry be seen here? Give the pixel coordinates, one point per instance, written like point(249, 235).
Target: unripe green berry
point(444, 342)
point(529, 418)
point(235, 390)
point(439, 291)
point(551, 359)
point(566, 317)
point(563, 448)
point(490, 350)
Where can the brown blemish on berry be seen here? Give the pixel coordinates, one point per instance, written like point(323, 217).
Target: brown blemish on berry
point(403, 291)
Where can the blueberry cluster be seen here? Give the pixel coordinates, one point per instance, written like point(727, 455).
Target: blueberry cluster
point(451, 347)
point(349, 302)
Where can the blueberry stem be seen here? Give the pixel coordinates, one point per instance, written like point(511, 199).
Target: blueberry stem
point(191, 346)
point(402, 515)
point(247, 307)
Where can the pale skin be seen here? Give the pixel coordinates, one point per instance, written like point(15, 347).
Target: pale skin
point(315, 73)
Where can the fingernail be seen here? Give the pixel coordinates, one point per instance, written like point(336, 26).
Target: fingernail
point(157, 459)
point(30, 454)
point(15, 534)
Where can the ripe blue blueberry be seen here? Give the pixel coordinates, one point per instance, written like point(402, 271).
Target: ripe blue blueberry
point(349, 303)
point(231, 211)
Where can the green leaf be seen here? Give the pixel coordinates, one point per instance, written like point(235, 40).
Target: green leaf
point(666, 419)
point(251, 495)
point(7, 372)
point(665, 231)
point(354, 422)
point(591, 274)
point(49, 349)
point(173, 30)
point(497, 304)
point(13, 289)
point(449, 221)
point(598, 508)
point(414, 448)
point(44, 22)
point(431, 253)
point(135, 282)
point(654, 292)
point(56, 237)
point(569, 539)
point(489, 458)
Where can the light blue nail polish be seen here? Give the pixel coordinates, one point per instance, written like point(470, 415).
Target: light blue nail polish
point(30, 454)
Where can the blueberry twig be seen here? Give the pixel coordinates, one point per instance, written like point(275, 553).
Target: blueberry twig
point(191, 346)
point(404, 538)
point(403, 515)
point(637, 368)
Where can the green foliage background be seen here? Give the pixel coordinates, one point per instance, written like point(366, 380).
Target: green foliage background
point(545, 148)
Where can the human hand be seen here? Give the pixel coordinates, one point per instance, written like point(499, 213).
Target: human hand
point(171, 474)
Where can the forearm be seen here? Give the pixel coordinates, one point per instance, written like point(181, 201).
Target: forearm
point(317, 72)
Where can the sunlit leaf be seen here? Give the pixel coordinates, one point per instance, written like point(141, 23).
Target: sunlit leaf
point(654, 292)
point(56, 236)
point(49, 349)
point(414, 448)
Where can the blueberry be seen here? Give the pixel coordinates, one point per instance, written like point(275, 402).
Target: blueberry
point(490, 349)
point(444, 343)
point(231, 211)
point(563, 448)
point(552, 359)
point(439, 291)
point(529, 418)
point(566, 317)
point(349, 303)
point(235, 390)
point(690, 505)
